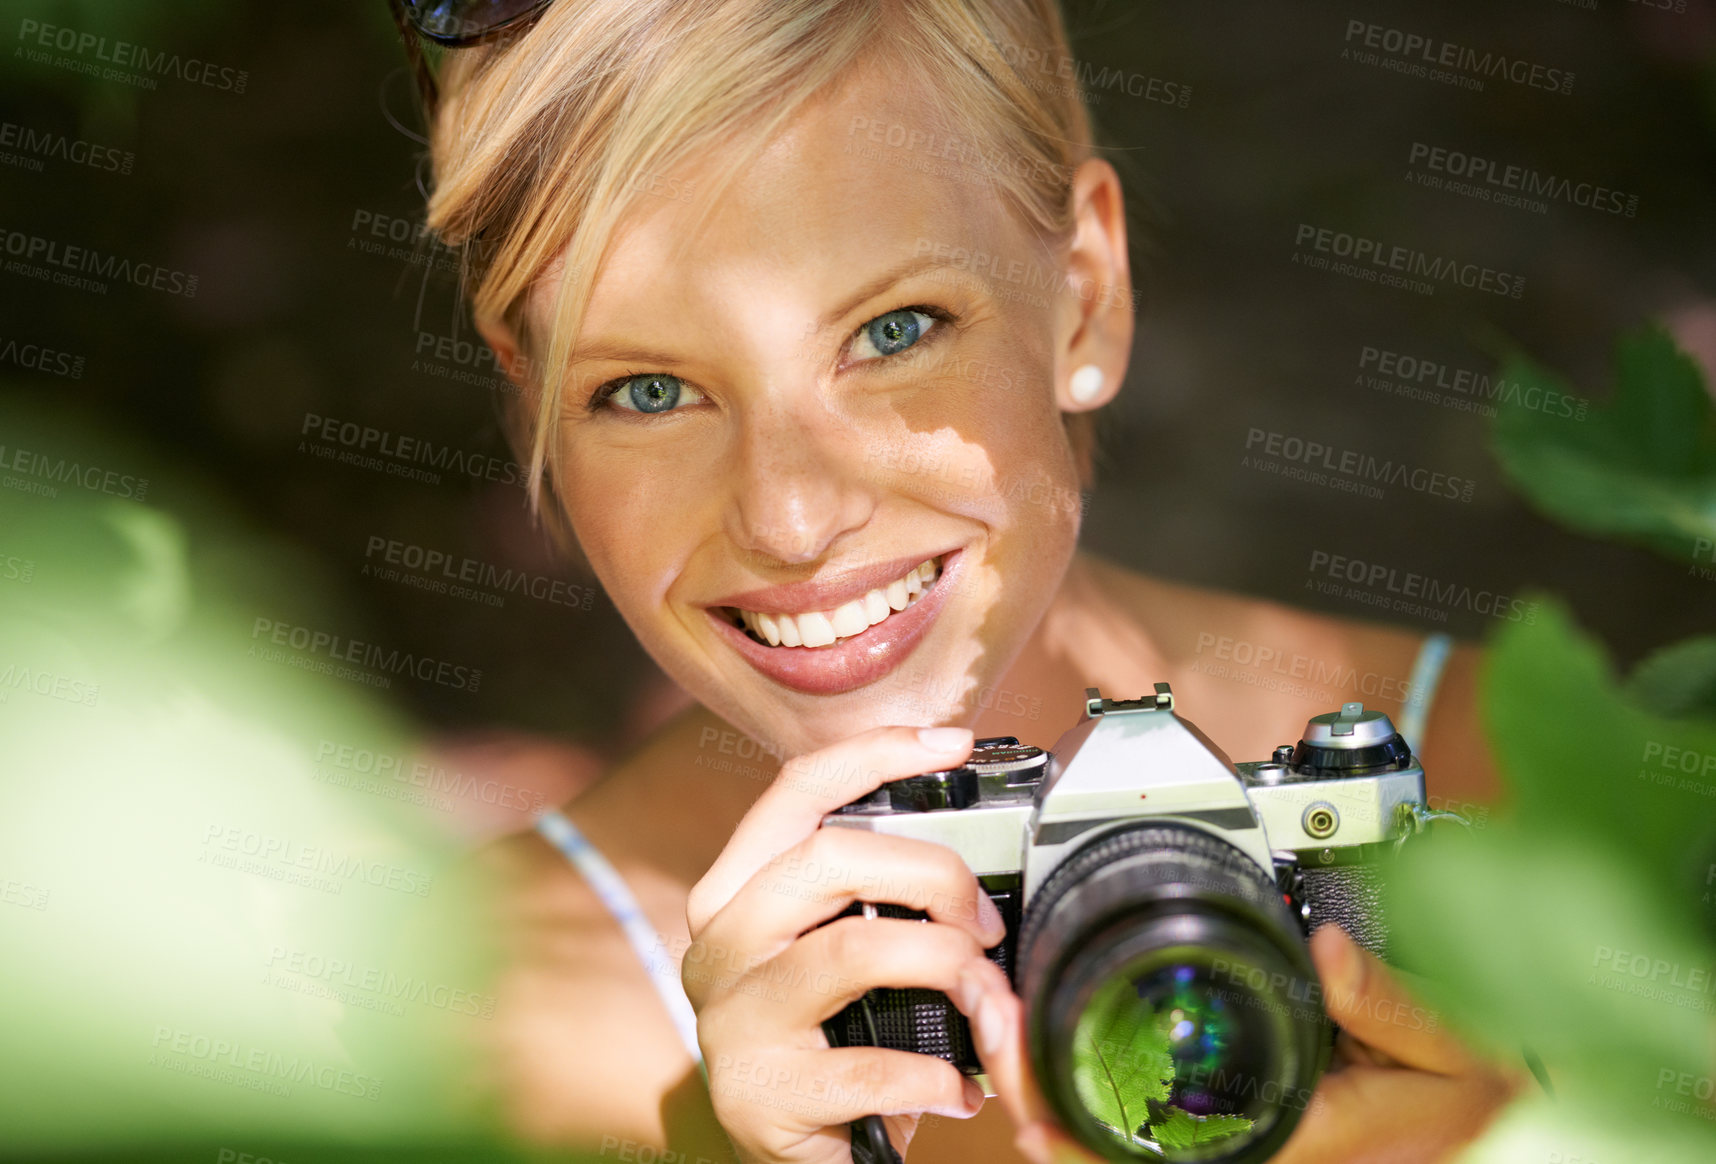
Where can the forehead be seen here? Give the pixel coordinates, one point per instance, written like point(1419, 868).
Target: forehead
point(867, 175)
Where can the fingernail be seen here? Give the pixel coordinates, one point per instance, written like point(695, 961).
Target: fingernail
point(973, 1095)
point(944, 739)
point(989, 917)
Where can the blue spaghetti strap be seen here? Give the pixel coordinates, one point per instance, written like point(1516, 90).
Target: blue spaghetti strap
point(616, 895)
point(1426, 675)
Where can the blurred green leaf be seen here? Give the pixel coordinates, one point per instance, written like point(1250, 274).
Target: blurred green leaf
point(1529, 941)
point(204, 933)
point(1562, 1133)
point(257, 1150)
point(1679, 680)
point(1586, 763)
point(1641, 468)
point(1573, 926)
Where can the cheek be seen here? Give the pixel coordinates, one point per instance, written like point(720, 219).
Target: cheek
point(997, 453)
point(608, 498)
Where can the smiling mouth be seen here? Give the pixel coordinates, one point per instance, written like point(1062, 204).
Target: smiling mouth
point(816, 629)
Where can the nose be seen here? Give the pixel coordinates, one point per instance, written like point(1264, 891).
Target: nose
point(798, 482)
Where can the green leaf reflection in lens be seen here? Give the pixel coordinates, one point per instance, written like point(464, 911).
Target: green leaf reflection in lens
point(1179, 1130)
point(1123, 1074)
point(1120, 1058)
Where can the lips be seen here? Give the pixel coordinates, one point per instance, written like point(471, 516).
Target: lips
point(851, 630)
point(823, 628)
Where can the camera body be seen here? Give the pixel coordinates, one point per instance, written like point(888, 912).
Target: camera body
point(1136, 851)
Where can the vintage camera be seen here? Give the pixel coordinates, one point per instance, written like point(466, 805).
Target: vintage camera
point(1158, 899)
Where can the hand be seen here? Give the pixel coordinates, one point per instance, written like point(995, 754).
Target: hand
point(1400, 1091)
point(763, 972)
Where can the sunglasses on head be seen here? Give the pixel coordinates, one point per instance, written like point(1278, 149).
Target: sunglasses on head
point(455, 24)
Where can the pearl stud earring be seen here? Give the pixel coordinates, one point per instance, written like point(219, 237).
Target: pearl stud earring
point(1086, 384)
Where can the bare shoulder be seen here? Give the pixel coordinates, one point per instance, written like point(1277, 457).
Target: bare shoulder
point(584, 1052)
point(562, 979)
point(1267, 646)
point(1190, 621)
point(1249, 671)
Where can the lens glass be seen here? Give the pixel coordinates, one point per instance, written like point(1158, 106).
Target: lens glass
point(1184, 1056)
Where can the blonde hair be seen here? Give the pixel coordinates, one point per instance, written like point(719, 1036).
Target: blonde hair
point(540, 138)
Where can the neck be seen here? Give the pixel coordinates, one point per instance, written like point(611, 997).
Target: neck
point(1085, 639)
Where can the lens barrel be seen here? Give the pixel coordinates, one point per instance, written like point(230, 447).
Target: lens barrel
point(1173, 1008)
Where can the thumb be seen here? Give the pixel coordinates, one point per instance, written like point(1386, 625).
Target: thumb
point(1000, 1032)
point(1367, 1000)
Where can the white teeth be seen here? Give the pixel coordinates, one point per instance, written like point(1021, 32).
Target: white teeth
point(815, 629)
point(850, 619)
point(770, 629)
point(822, 628)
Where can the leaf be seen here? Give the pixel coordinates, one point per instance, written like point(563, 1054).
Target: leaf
point(1585, 761)
point(1573, 926)
point(1121, 1060)
point(1678, 681)
point(1181, 1129)
point(1640, 468)
point(131, 707)
point(1523, 940)
point(1537, 1128)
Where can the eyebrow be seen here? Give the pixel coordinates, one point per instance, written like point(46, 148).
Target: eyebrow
point(623, 353)
point(916, 265)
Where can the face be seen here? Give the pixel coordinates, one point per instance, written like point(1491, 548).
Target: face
point(811, 446)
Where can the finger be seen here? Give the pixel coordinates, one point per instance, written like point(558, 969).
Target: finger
point(833, 867)
point(1044, 1143)
point(1364, 997)
point(997, 1028)
point(1356, 1110)
point(810, 786)
point(809, 1091)
point(1349, 1052)
point(830, 967)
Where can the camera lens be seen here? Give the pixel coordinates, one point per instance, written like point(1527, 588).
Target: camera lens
point(1173, 1008)
point(1175, 1051)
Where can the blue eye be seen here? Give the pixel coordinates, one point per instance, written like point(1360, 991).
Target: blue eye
point(890, 334)
point(654, 392)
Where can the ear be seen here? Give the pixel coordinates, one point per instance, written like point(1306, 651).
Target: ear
point(508, 350)
point(1096, 316)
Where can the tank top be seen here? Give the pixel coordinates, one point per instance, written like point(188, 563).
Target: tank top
point(616, 895)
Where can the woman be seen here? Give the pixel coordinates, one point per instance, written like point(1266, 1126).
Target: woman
point(817, 298)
